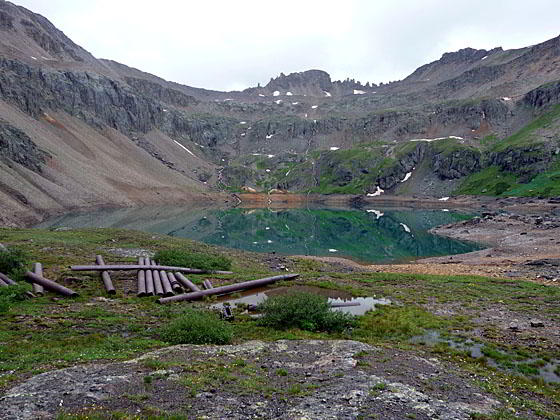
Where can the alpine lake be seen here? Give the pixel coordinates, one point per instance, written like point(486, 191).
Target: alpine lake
point(375, 236)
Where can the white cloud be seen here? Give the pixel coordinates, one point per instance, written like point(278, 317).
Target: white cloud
point(230, 45)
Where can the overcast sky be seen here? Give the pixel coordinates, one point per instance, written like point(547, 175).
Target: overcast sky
point(234, 44)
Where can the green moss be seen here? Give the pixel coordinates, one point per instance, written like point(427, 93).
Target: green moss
point(203, 261)
point(489, 181)
point(528, 135)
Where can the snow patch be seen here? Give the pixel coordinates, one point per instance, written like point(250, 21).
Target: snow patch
point(276, 93)
point(405, 227)
point(289, 94)
point(242, 122)
point(443, 199)
point(327, 94)
point(278, 102)
point(334, 148)
point(269, 136)
point(314, 106)
point(505, 98)
point(268, 170)
point(288, 173)
point(406, 177)
point(179, 144)
point(305, 115)
point(333, 250)
point(228, 99)
point(378, 191)
point(377, 213)
point(243, 134)
point(358, 92)
point(34, 58)
point(165, 110)
point(484, 58)
point(261, 95)
point(269, 241)
point(444, 209)
point(270, 156)
point(295, 103)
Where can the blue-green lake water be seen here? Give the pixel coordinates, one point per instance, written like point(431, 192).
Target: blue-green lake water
point(368, 235)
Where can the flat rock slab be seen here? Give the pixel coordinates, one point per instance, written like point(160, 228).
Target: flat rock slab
point(306, 379)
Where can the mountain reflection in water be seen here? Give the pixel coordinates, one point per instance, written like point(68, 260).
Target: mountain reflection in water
point(376, 236)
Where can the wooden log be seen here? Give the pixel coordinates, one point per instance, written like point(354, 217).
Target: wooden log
point(207, 284)
point(49, 284)
point(175, 285)
point(167, 289)
point(37, 288)
point(6, 279)
point(134, 267)
point(227, 289)
point(158, 287)
point(149, 279)
point(105, 276)
point(141, 279)
point(187, 283)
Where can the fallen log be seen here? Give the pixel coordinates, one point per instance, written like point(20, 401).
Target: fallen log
point(141, 279)
point(149, 279)
point(208, 284)
point(37, 288)
point(6, 279)
point(187, 283)
point(175, 285)
point(49, 284)
point(134, 267)
point(158, 287)
point(105, 277)
point(167, 289)
point(227, 289)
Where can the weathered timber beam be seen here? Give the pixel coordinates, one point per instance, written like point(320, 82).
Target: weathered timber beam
point(105, 276)
point(227, 289)
point(49, 284)
point(187, 283)
point(134, 267)
point(141, 279)
point(37, 288)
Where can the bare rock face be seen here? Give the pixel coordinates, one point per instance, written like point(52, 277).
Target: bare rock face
point(284, 379)
point(16, 146)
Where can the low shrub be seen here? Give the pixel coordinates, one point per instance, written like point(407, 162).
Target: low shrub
point(10, 295)
point(197, 327)
point(305, 311)
point(13, 262)
point(180, 258)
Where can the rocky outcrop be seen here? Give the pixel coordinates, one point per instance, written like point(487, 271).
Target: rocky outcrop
point(543, 96)
point(161, 93)
point(456, 164)
point(524, 161)
point(16, 146)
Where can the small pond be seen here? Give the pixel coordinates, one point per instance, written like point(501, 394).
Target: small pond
point(360, 305)
point(373, 235)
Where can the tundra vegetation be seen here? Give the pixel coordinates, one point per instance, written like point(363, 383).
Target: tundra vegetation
point(47, 333)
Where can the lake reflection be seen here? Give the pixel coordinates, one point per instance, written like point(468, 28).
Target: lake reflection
point(373, 235)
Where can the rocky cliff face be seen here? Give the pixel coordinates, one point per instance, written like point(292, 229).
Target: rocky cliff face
point(16, 146)
point(210, 139)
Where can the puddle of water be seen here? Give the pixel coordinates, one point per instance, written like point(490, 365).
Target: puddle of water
point(431, 338)
point(360, 305)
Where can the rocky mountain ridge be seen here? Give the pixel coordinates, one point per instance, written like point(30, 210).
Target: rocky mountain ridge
point(61, 109)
